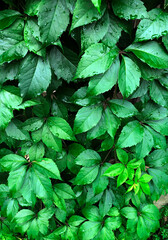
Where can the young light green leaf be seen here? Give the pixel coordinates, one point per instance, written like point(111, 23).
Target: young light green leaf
point(151, 53)
point(131, 134)
point(60, 128)
point(85, 13)
point(34, 76)
point(115, 170)
point(122, 177)
point(53, 19)
point(122, 108)
point(129, 76)
point(154, 26)
point(104, 82)
point(86, 118)
point(130, 9)
point(145, 178)
point(86, 175)
point(96, 59)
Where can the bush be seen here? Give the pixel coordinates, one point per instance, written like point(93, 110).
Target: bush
point(83, 118)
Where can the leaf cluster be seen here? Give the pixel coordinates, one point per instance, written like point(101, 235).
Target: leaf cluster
point(83, 118)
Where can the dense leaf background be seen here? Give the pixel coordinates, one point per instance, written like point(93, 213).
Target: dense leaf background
point(83, 118)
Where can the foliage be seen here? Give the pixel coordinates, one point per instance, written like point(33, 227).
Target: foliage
point(83, 118)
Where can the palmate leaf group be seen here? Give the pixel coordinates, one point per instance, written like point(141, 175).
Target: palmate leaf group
point(83, 118)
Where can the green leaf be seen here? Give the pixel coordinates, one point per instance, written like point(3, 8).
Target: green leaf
point(101, 182)
point(86, 175)
point(106, 234)
point(32, 124)
point(129, 10)
point(92, 213)
point(86, 118)
point(6, 115)
point(13, 130)
point(134, 163)
point(7, 17)
point(112, 223)
point(32, 37)
point(88, 158)
point(104, 82)
point(129, 76)
point(111, 122)
point(129, 212)
point(115, 170)
point(151, 53)
point(59, 201)
point(60, 128)
point(32, 7)
point(122, 108)
point(47, 167)
point(43, 219)
point(51, 140)
point(96, 59)
point(159, 140)
point(12, 208)
point(85, 13)
point(53, 19)
point(131, 134)
point(160, 126)
point(75, 220)
point(122, 156)
point(142, 229)
point(16, 179)
point(36, 151)
point(152, 111)
point(33, 230)
point(114, 32)
point(34, 76)
point(122, 177)
point(24, 216)
point(12, 45)
point(41, 184)
point(97, 4)
point(159, 94)
point(151, 211)
point(58, 109)
point(152, 27)
point(143, 148)
point(105, 203)
point(62, 66)
point(64, 191)
point(12, 162)
point(89, 230)
point(94, 32)
point(145, 178)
